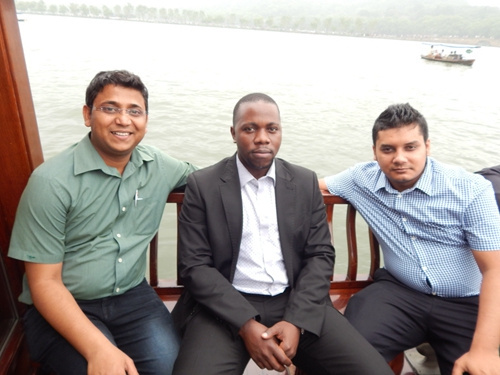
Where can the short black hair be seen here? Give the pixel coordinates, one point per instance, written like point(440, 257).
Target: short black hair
point(117, 78)
point(398, 116)
point(254, 97)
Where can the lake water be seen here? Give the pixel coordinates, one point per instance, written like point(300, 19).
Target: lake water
point(330, 90)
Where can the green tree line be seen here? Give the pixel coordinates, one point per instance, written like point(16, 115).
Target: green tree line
point(408, 19)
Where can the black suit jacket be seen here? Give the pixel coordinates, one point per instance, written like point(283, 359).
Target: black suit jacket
point(210, 230)
point(493, 174)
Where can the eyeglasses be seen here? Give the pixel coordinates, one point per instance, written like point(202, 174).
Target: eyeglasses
point(132, 112)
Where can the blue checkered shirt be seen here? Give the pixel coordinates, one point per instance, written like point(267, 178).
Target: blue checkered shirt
point(427, 232)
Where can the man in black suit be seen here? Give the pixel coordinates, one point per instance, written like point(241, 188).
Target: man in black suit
point(255, 257)
point(493, 175)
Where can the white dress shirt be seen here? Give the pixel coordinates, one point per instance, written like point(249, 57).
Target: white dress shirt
point(260, 268)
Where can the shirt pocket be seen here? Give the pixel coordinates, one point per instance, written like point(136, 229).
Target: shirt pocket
point(147, 215)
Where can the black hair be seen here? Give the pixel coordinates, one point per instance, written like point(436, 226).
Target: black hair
point(117, 78)
point(254, 97)
point(398, 116)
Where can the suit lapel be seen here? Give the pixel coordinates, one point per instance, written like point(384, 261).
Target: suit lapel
point(230, 191)
point(285, 205)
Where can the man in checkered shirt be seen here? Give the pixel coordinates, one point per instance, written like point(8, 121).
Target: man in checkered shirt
point(439, 229)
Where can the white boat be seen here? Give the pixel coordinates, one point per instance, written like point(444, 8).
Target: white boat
point(449, 53)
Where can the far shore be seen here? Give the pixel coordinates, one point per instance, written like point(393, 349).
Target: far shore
point(476, 41)
point(483, 42)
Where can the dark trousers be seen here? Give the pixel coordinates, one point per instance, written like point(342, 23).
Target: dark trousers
point(209, 346)
point(394, 318)
point(137, 322)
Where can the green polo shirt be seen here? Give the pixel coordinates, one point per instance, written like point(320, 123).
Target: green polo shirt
point(98, 223)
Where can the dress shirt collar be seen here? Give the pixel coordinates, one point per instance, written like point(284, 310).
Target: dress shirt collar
point(88, 159)
point(245, 176)
point(424, 183)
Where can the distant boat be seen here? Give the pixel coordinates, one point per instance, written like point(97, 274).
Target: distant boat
point(449, 53)
point(20, 17)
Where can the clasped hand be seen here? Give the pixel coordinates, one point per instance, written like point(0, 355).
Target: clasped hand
point(271, 348)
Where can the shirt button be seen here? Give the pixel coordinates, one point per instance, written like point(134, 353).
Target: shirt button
point(117, 290)
point(413, 238)
point(433, 293)
point(120, 260)
point(124, 208)
point(424, 268)
point(118, 235)
point(404, 219)
point(399, 195)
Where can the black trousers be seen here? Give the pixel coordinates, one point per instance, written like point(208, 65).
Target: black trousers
point(394, 318)
point(209, 346)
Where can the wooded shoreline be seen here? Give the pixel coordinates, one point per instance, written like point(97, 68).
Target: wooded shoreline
point(479, 41)
point(443, 21)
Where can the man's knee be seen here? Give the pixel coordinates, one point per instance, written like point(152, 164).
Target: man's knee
point(157, 363)
point(356, 311)
point(155, 348)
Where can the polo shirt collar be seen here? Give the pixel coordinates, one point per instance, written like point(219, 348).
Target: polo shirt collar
point(424, 183)
point(88, 159)
point(245, 176)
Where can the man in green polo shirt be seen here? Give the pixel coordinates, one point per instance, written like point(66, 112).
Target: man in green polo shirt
point(83, 227)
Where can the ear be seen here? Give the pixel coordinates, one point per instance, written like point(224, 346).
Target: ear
point(86, 115)
point(233, 133)
point(428, 147)
point(374, 153)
